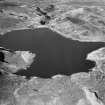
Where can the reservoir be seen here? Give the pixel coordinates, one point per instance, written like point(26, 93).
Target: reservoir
point(54, 53)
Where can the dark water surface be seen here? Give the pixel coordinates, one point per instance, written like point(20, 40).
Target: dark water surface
point(55, 54)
